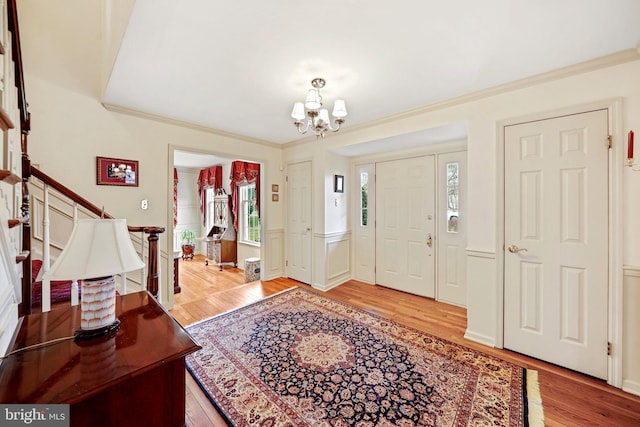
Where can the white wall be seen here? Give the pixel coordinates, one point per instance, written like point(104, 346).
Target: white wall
point(189, 216)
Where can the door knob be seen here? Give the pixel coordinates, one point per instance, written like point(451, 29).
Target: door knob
point(514, 249)
point(429, 240)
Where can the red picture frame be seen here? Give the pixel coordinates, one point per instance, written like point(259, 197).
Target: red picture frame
point(111, 171)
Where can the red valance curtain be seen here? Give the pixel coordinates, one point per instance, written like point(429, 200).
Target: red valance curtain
point(208, 178)
point(243, 172)
point(175, 197)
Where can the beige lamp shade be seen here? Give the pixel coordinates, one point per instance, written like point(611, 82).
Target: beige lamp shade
point(96, 248)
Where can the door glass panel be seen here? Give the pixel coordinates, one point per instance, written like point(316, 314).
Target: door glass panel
point(453, 192)
point(364, 195)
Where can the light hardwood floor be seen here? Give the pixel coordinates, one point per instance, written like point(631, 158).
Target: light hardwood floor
point(568, 398)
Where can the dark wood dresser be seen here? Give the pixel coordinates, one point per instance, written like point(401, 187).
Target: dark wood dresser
point(135, 378)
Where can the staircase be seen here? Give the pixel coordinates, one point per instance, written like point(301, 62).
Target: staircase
point(18, 233)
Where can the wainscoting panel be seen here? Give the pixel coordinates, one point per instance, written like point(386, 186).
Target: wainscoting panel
point(274, 247)
point(631, 330)
point(332, 264)
point(481, 289)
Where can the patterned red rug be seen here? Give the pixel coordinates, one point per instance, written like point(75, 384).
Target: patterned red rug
point(300, 359)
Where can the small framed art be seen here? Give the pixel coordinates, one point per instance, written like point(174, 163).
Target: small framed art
point(110, 171)
point(338, 183)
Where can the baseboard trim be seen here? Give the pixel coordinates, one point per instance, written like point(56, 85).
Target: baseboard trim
point(479, 338)
point(632, 387)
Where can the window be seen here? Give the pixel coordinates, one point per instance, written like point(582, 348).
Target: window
point(364, 196)
point(248, 219)
point(452, 196)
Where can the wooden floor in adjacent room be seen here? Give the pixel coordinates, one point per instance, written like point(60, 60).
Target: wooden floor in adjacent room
point(568, 398)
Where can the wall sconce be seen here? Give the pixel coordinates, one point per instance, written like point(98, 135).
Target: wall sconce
point(97, 250)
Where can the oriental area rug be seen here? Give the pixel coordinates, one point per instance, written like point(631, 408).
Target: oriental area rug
point(300, 359)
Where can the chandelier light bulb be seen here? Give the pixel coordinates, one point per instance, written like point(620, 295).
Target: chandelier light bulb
point(298, 111)
point(314, 100)
point(324, 115)
point(339, 109)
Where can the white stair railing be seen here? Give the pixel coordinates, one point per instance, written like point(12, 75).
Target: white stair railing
point(61, 205)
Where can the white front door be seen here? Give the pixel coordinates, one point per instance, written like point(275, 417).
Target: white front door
point(406, 225)
point(452, 228)
point(556, 240)
point(298, 264)
point(364, 228)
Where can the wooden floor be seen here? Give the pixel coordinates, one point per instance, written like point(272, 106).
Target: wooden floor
point(568, 398)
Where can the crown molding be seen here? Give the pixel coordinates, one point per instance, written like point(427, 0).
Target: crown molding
point(193, 126)
point(606, 61)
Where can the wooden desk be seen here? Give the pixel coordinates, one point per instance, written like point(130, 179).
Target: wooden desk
point(135, 378)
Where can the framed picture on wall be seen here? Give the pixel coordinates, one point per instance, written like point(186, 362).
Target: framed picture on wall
point(338, 183)
point(110, 171)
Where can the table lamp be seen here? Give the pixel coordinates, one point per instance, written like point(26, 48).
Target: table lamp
point(97, 250)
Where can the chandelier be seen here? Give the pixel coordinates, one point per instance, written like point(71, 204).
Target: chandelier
point(318, 116)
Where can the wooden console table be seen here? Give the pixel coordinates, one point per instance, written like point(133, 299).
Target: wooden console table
point(135, 378)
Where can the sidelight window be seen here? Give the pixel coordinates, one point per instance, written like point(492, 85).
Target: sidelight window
point(364, 197)
point(453, 192)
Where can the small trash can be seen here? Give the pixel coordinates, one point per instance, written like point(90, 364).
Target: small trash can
point(252, 269)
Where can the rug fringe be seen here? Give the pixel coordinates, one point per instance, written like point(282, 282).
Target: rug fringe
point(238, 308)
point(536, 413)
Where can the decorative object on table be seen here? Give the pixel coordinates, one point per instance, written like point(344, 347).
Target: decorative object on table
point(338, 183)
point(299, 358)
point(97, 250)
point(188, 244)
point(318, 117)
point(110, 171)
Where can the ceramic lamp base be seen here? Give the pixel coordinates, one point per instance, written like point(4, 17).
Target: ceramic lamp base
point(98, 308)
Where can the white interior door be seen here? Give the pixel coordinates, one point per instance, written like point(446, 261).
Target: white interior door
point(364, 229)
point(556, 240)
point(298, 264)
point(405, 225)
point(452, 228)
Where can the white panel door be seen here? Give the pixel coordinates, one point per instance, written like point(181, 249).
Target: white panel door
point(298, 264)
point(452, 228)
point(364, 229)
point(405, 225)
point(556, 240)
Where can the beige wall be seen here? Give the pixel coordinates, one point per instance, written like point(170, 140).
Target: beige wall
point(62, 60)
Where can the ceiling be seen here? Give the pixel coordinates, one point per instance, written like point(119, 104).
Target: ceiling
point(238, 67)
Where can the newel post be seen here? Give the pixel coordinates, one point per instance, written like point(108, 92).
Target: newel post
point(153, 273)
